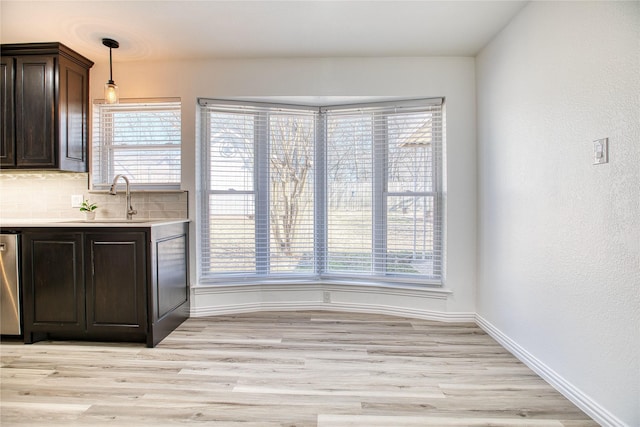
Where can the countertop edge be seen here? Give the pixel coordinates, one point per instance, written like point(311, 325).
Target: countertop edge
point(75, 223)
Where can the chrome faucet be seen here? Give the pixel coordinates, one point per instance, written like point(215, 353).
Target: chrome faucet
point(130, 211)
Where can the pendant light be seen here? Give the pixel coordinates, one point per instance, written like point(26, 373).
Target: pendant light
point(110, 87)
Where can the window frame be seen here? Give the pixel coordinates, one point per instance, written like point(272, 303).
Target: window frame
point(380, 196)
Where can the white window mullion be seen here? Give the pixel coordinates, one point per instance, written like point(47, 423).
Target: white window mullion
point(380, 162)
point(102, 147)
point(320, 215)
point(438, 188)
point(261, 147)
point(204, 192)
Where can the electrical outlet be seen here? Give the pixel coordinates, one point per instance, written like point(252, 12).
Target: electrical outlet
point(326, 297)
point(76, 200)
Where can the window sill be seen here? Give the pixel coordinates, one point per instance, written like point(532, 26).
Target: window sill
point(327, 283)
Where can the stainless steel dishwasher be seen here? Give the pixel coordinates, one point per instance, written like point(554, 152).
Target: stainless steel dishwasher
point(10, 289)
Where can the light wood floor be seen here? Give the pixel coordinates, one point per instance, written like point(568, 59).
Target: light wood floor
point(320, 369)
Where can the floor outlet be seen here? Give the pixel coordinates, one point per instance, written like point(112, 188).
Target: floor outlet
point(326, 297)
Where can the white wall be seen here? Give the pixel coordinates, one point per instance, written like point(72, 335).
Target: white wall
point(453, 78)
point(559, 238)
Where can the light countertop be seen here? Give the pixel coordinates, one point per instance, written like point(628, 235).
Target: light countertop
point(100, 222)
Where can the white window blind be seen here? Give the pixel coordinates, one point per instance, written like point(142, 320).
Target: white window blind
point(384, 189)
point(349, 193)
point(140, 139)
point(345, 192)
point(259, 199)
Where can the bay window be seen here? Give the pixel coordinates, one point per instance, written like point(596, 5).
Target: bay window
point(325, 193)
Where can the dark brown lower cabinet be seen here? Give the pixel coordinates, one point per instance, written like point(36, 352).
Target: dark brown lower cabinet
point(53, 279)
point(105, 283)
point(115, 284)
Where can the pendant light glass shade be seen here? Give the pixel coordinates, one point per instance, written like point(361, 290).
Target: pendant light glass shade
point(110, 87)
point(110, 92)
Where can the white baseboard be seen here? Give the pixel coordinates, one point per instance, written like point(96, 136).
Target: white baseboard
point(577, 397)
point(343, 307)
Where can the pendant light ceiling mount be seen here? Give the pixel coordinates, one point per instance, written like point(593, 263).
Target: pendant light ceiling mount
point(110, 43)
point(110, 88)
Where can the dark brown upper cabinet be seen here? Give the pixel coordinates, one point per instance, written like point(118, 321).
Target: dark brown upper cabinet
point(44, 108)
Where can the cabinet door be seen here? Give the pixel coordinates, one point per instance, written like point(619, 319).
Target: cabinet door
point(7, 118)
point(169, 282)
point(73, 134)
point(53, 282)
point(35, 112)
point(116, 277)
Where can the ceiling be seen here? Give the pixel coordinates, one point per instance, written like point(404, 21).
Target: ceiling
point(173, 29)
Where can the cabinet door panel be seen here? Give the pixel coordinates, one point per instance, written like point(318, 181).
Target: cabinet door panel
point(116, 279)
point(7, 118)
point(53, 282)
point(35, 112)
point(73, 116)
point(172, 282)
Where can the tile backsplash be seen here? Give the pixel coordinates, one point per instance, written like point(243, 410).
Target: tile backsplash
point(47, 195)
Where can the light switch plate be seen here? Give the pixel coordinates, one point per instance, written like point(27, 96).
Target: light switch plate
point(76, 200)
point(601, 151)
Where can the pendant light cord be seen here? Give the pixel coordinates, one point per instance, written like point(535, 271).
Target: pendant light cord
point(110, 67)
point(111, 44)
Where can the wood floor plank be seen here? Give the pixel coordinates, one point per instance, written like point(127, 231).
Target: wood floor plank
point(385, 421)
point(315, 369)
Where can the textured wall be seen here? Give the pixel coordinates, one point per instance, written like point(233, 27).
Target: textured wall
point(559, 238)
